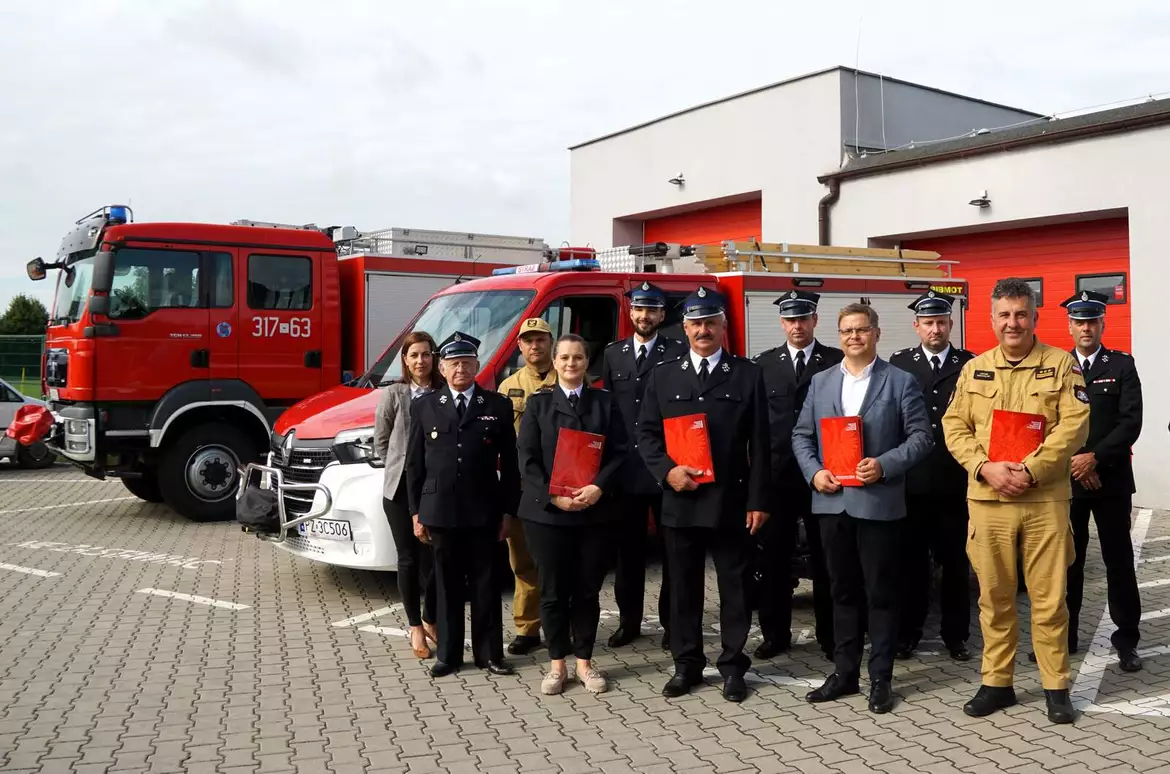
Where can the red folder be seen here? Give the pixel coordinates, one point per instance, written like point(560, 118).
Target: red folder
point(688, 444)
point(1014, 435)
point(575, 462)
point(841, 444)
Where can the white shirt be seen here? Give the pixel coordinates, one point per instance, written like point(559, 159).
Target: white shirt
point(808, 353)
point(417, 391)
point(942, 356)
point(466, 394)
point(1091, 358)
point(712, 360)
point(576, 391)
point(853, 389)
point(649, 345)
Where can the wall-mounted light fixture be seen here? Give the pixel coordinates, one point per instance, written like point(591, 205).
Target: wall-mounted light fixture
point(981, 201)
point(679, 181)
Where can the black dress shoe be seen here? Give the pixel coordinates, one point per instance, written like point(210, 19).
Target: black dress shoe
point(734, 688)
point(624, 636)
point(1060, 708)
point(989, 699)
point(881, 697)
point(680, 685)
point(439, 669)
point(771, 649)
point(834, 688)
point(1129, 660)
point(904, 652)
point(494, 667)
point(959, 652)
point(523, 645)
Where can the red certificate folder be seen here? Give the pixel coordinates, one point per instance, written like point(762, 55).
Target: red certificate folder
point(688, 444)
point(575, 462)
point(1014, 435)
point(841, 444)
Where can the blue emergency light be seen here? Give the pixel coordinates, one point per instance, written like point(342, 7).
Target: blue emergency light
point(118, 213)
point(577, 264)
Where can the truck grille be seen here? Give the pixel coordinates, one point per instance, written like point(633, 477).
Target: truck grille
point(303, 465)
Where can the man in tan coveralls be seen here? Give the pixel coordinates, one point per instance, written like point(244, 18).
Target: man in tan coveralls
point(1024, 503)
point(535, 343)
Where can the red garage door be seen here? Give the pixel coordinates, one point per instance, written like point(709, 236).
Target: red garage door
point(1060, 260)
point(702, 227)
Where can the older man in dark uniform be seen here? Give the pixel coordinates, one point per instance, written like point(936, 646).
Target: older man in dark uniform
point(788, 371)
point(1102, 473)
point(460, 436)
point(724, 393)
point(936, 490)
point(625, 372)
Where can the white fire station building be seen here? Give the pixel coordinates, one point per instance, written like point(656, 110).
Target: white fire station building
point(851, 158)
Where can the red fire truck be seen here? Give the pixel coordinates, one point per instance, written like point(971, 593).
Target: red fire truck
point(322, 461)
point(172, 347)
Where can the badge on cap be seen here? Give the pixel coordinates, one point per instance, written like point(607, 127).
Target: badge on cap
point(792, 294)
point(930, 294)
point(457, 337)
point(1084, 295)
point(702, 293)
point(646, 286)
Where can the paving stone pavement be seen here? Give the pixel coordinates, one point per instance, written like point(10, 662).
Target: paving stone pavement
point(103, 668)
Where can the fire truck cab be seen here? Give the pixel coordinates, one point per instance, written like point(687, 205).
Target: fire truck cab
point(321, 457)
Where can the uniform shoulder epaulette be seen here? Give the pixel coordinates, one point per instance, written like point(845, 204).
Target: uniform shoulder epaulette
point(614, 343)
point(1121, 352)
point(669, 360)
point(544, 390)
point(898, 353)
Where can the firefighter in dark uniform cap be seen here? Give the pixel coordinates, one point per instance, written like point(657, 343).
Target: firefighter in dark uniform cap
point(719, 517)
point(788, 370)
point(936, 490)
point(625, 372)
point(459, 437)
point(1102, 474)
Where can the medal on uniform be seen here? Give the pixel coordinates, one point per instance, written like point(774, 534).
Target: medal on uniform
point(434, 435)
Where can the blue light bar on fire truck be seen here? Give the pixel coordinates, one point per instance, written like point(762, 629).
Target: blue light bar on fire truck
point(577, 264)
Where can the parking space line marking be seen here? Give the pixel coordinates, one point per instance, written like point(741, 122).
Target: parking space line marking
point(1154, 583)
point(1156, 614)
point(195, 599)
point(68, 505)
point(28, 570)
point(1088, 680)
point(357, 619)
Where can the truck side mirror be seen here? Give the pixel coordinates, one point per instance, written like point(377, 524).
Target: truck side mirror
point(36, 269)
point(99, 305)
point(103, 273)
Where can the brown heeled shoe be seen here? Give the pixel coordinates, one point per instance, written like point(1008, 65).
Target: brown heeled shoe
point(430, 633)
point(421, 652)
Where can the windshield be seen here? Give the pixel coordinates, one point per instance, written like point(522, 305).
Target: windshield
point(72, 291)
point(488, 315)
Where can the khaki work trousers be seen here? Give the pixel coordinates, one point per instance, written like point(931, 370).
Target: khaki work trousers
point(1042, 533)
point(526, 599)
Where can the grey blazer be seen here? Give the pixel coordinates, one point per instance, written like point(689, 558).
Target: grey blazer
point(895, 430)
point(391, 429)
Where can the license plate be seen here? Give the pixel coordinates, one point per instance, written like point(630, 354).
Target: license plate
point(330, 529)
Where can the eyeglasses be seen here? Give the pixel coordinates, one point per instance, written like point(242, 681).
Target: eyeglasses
point(847, 332)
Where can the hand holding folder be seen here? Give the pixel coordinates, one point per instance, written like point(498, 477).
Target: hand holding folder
point(841, 447)
point(576, 461)
point(689, 445)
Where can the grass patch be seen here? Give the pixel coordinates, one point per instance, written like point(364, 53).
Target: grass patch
point(30, 387)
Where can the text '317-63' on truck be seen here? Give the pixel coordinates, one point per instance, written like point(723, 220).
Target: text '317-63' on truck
point(322, 461)
point(171, 348)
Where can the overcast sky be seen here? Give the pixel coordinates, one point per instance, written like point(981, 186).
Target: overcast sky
point(457, 115)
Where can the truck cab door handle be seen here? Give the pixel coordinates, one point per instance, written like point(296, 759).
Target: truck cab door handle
point(201, 358)
point(313, 359)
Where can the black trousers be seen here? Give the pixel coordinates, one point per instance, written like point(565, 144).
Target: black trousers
point(936, 528)
point(629, 578)
point(777, 544)
point(1125, 605)
point(463, 572)
point(687, 549)
point(571, 563)
point(416, 562)
point(864, 573)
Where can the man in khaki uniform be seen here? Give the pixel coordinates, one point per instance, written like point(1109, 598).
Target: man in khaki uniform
point(1023, 503)
point(536, 345)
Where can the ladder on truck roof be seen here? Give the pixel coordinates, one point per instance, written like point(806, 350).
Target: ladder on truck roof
point(752, 257)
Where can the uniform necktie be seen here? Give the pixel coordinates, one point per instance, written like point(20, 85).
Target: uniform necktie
point(703, 371)
point(934, 364)
point(799, 364)
point(573, 400)
point(460, 405)
point(641, 355)
point(1085, 365)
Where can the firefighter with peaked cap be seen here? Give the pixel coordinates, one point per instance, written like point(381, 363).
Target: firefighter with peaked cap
point(708, 390)
point(625, 371)
point(788, 370)
point(463, 485)
point(936, 490)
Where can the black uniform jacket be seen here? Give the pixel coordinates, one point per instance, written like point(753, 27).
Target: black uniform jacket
point(785, 398)
point(451, 465)
point(622, 377)
point(938, 474)
point(1115, 421)
point(548, 411)
point(736, 408)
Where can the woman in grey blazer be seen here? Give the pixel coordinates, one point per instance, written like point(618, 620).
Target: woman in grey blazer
point(416, 576)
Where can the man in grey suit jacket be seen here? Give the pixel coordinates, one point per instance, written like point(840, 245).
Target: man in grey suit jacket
point(861, 523)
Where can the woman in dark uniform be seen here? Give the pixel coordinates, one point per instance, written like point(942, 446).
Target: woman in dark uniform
point(391, 428)
point(572, 537)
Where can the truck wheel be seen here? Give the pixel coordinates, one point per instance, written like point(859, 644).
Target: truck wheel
point(35, 456)
point(145, 487)
point(198, 475)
